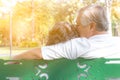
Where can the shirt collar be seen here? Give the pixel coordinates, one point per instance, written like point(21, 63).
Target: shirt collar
point(100, 36)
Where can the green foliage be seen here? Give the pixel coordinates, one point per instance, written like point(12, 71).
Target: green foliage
point(33, 20)
point(28, 44)
point(115, 17)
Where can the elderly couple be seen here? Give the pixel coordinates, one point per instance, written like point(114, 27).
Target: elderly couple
point(89, 38)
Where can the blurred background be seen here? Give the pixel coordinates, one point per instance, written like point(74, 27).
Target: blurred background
point(24, 24)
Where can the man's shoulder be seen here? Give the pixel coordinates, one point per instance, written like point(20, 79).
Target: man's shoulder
point(77, 40)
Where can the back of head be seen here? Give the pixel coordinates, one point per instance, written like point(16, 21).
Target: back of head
point(61, 32)
point(93, 13)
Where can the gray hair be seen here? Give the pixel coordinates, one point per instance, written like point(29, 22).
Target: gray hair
point(94, 13)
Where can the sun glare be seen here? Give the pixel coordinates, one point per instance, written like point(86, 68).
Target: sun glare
point(7, 5)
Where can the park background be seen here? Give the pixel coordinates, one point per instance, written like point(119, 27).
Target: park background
point(24, 24)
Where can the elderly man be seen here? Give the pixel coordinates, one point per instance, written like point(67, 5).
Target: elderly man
point(94, 42)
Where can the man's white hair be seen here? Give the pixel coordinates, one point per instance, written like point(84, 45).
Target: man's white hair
point(93, 13)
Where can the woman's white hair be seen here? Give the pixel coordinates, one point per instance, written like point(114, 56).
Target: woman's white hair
point(93, 13)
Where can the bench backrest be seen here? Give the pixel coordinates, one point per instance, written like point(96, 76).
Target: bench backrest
point(61, 69)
